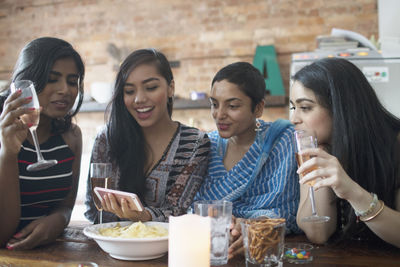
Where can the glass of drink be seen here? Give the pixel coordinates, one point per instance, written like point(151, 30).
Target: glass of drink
point(28, 90)
point(304, 140)
point(220, 212)
point(100, 176)
point(263, 241)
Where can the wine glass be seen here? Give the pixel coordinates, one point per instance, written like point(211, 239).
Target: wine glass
point(304, 140)
point(28, 90)
point(100, 176)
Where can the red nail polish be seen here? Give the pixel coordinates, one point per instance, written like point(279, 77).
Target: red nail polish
point(10, 247)
point(29, 97)
point(17, 235)
point(31, 108)
point(29, 126)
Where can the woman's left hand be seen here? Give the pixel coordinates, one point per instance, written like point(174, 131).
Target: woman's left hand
point(123, 211)
point(236, 244)
point(329, 173)
point(41, 231)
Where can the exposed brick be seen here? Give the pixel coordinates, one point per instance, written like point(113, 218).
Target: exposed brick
point(204, 36)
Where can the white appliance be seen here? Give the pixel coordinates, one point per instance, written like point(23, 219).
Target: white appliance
point(382, 69)
point(383, 73)
point(389, 21)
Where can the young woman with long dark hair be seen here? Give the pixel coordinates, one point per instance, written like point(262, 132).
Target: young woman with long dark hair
point(358, 159)
point(159, 159)
point(36, 206)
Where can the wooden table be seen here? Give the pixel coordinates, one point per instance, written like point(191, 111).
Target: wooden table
point(74, 248)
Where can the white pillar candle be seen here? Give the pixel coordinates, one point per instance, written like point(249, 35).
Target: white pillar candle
point(189, 241)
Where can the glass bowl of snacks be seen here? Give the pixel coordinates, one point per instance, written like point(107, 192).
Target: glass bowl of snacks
point(298, 253)
point(131, 241)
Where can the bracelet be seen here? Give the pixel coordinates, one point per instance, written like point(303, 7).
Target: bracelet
point(376, 214)
point(370, 209)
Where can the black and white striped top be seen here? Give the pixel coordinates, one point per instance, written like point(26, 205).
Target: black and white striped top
point(42, 191)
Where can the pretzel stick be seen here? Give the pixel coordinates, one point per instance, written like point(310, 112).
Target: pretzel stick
point(263, 235)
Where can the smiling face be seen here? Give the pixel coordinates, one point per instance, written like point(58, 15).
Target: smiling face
point(146, 93)
point(58, 96)
point(231, 110)
point(307, 114)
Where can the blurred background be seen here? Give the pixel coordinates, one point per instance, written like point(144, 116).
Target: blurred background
point(198, 37)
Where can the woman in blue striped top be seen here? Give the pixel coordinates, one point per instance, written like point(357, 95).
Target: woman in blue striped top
point(36, 206)
point(252, 162)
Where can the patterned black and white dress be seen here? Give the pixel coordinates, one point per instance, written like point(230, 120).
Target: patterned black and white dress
point(172, 183)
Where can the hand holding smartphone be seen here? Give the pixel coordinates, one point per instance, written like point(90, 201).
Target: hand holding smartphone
point(132, 199)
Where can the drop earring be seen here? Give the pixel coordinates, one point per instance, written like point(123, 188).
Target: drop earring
point(258, 125)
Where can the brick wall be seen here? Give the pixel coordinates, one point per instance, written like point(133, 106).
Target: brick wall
point(203, 35)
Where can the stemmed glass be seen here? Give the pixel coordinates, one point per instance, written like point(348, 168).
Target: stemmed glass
point(28, 90)
point(304, 140)
point(100, 176)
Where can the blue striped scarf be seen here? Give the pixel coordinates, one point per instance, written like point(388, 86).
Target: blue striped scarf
point(264, 182)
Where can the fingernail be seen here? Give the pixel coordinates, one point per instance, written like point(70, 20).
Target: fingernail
point(17, 235)
point(19, 91)
point(29, 97)
point(10, 247)
point(31, 108)
point(30, 125)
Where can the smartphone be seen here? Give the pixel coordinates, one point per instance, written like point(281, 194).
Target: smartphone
point(133, 200)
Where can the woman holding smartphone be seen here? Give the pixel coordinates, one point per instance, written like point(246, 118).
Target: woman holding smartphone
point(357, 179)
point(160, 160)
point(36, 205)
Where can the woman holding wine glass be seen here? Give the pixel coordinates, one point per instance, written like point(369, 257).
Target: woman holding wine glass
point(160, 160)
point(36, 203)
point(356, 168)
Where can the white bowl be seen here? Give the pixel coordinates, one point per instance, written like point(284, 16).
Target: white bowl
point(129, 248)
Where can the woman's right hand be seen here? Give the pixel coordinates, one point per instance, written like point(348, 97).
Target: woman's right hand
point(123, 211)
point(329, 173)
point(12, 130)
point(236, 239)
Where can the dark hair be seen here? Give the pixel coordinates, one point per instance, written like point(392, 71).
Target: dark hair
point(35, 63)
point(127, 144)
point(246, 77)
point(363, 131)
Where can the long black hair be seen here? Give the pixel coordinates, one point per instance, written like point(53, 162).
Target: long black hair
point(35, 62)
point(364, 133)
point(127, 144)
